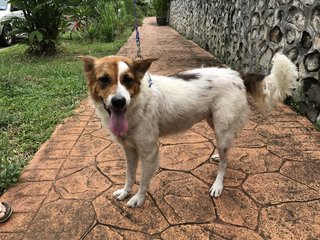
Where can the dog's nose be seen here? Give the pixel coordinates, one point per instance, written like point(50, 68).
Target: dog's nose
point(118, 101)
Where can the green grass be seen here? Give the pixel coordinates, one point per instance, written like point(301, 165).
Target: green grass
point(36, 94)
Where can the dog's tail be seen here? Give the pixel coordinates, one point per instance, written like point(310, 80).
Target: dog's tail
point(281, 82)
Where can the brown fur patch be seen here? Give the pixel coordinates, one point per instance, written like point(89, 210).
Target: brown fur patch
point(252, 81)
point(254, 85)
point(133, 88)
point(186, 76)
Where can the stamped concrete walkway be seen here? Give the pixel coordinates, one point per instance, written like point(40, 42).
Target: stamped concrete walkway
point(272, 186)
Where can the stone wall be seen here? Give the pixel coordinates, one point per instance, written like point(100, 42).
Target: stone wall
point(246, 35)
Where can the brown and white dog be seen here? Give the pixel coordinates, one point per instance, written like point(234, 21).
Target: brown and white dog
point(137, 108)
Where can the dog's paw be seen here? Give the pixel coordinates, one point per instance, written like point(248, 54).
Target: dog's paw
point(215, 157)
point(216, 189)
point(136, 201)
point(120, 194)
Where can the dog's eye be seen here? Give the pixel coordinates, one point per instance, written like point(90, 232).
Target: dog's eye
point(104, 81)
point(128, 81)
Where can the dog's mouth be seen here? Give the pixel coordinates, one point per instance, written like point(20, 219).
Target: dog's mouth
point(118, 122)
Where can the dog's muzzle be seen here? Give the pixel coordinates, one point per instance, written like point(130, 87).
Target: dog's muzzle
point(118, 122)
point(118, 102)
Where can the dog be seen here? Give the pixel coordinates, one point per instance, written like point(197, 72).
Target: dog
point(138, 108)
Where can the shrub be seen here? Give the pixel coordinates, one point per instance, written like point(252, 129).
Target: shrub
point(108, 20)
point(161, 7)
point(83, 16)
point(145, 7)
point(9, 173)
point(43, 24)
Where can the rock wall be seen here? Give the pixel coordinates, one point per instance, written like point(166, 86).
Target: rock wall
point(245, 34)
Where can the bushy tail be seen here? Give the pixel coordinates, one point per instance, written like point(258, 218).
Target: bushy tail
point(279, 84)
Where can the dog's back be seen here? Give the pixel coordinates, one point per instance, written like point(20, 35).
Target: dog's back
point(191, 96)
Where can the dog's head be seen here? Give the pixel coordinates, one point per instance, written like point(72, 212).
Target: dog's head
point(115, 81)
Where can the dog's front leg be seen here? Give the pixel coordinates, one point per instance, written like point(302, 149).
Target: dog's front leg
point(132, 163)
point(149, 158)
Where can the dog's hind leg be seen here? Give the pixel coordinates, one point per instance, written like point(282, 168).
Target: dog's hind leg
point(216, 188)
point(226, 128)
point(214, 157)
point(222, 145)
point(132, 163)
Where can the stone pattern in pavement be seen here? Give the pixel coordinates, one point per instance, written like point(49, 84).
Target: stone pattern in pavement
point(272, 184)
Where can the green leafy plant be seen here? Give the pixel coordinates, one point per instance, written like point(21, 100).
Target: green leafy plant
point(44, 21)
point(104, 19)
point(161, 7)
point(108, 21)
point(9, 173)
point(83, 17)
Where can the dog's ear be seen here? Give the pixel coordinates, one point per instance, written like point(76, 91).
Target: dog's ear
point(88, 62)
point(142, 65)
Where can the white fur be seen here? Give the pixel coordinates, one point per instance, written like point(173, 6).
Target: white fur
point(282, 80)
point(173, 105)
point(121, 90)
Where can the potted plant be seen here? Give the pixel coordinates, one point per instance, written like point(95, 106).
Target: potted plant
point(161, 7)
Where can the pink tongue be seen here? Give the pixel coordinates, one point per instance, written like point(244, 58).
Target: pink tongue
point(118, 123)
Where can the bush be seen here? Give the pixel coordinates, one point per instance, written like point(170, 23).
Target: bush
point(83, 17)
point(107, 21)
point(146, 8)
point(43, 24)
point(161, 7)
point(9, 173)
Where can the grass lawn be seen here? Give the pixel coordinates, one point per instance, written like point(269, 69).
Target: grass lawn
point(36, 94)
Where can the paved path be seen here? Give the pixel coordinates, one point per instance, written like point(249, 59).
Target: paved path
point(272, 182)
